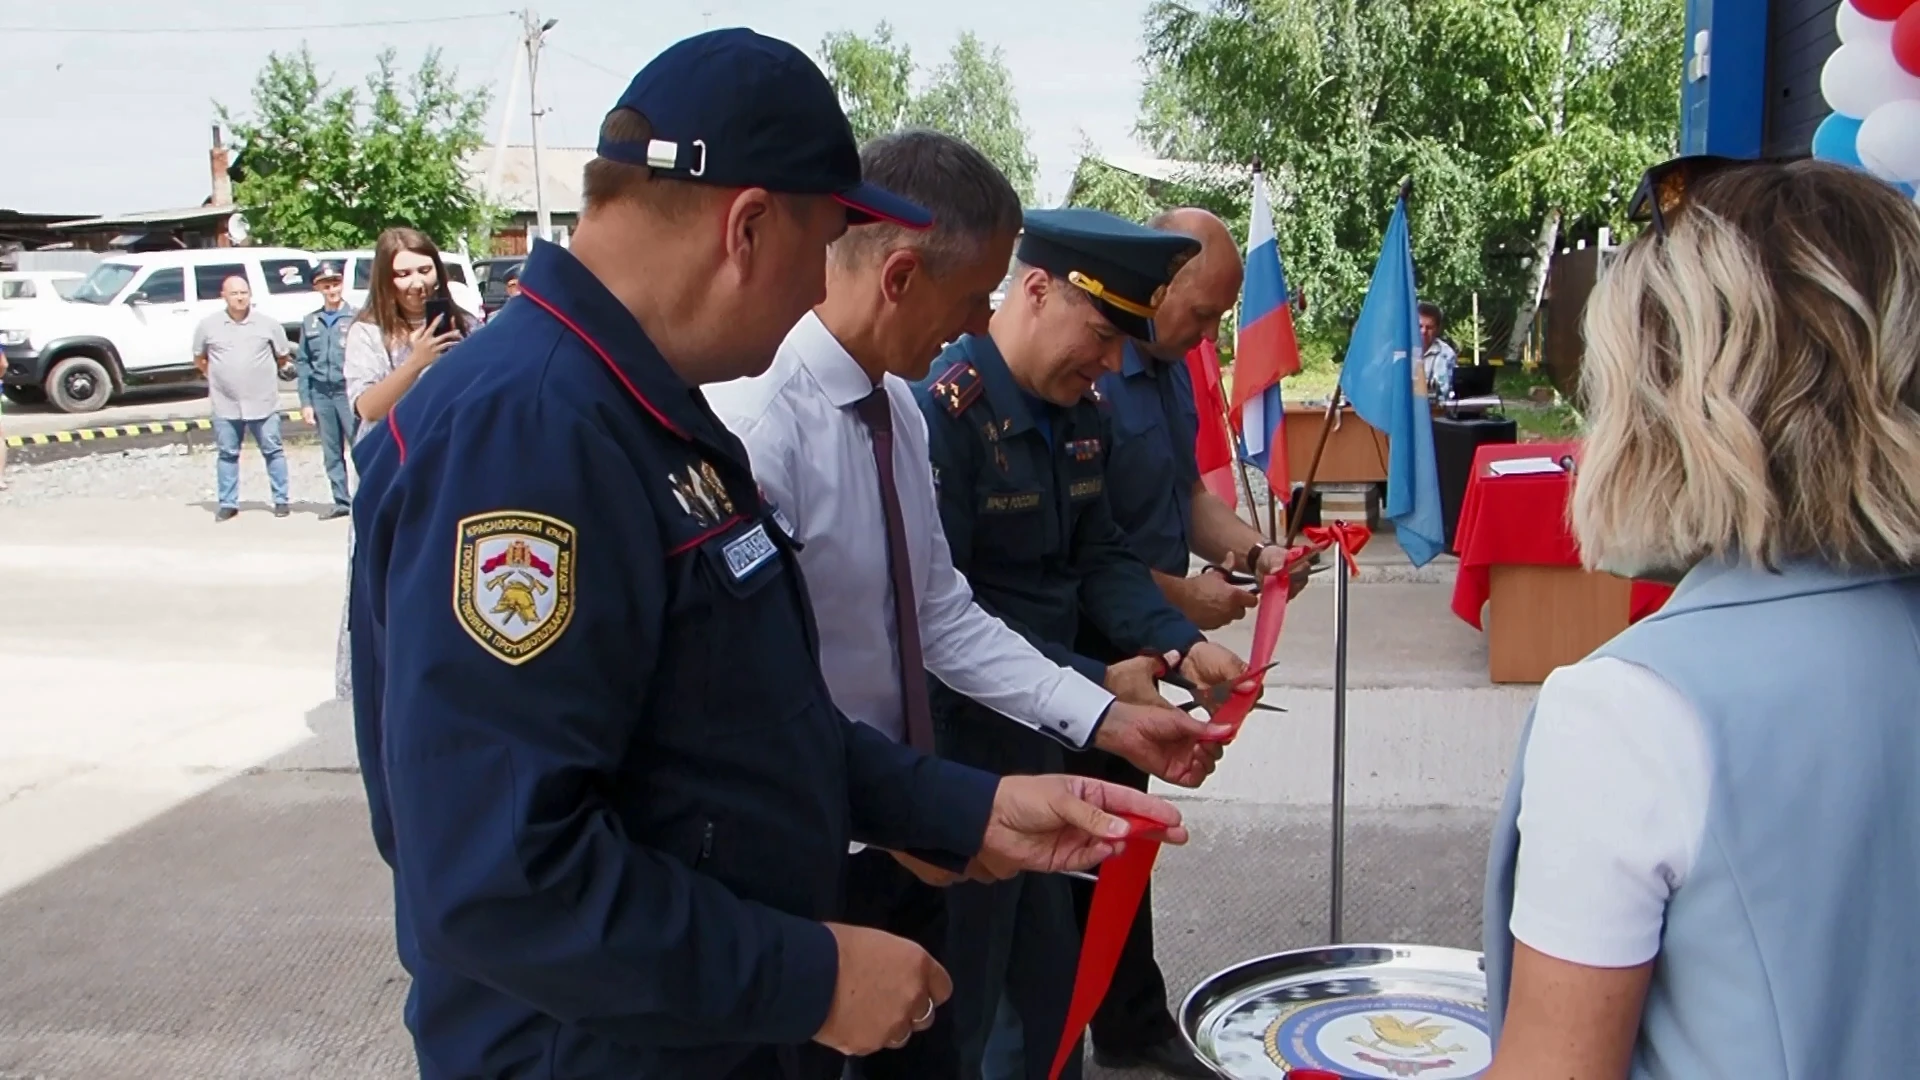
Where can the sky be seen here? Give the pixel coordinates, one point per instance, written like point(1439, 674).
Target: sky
point(113, 114)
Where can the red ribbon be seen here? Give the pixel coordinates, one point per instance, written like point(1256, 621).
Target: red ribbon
point(1116, 897)
point(1345, 535)
point(1123, 878)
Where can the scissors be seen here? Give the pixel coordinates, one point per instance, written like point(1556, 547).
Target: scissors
point(1213, 697)
point(1251, 583)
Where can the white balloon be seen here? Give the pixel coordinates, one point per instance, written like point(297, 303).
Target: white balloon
point(1862, 76)
point(1854, 26)
point(1889, 141)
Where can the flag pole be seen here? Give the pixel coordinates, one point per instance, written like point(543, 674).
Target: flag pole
point(1297, 514)
point(1240, 459)
point(1336, 900)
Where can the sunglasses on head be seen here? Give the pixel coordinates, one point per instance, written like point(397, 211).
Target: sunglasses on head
point(1664, 189)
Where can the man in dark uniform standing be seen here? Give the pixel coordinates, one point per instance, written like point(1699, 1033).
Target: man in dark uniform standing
point(1167, 514)
point(601, 760)
point(1019, 453)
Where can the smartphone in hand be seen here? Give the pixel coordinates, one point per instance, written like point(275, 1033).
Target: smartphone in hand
point(442, 308)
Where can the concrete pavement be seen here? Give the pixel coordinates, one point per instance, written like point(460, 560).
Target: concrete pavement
point(187, 884)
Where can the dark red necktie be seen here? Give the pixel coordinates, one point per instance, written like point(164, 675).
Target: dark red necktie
point(877, 413)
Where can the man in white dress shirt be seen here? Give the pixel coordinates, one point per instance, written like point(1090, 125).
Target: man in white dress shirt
point(830, 429)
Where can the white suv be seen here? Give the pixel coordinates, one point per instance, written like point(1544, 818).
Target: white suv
point(131, 322)
point(357, 266)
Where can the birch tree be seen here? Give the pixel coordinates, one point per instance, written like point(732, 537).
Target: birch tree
point(1519, 121)
point(970, 97)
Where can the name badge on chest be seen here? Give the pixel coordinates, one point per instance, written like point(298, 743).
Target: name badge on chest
point(748, 552)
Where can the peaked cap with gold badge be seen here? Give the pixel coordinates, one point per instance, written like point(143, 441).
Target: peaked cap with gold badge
point(1123, 267)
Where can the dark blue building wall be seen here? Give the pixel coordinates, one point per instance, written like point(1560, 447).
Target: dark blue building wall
point(1755, 88)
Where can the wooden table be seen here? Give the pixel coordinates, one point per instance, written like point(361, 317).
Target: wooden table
point(1356, 451)
point(1519, 557)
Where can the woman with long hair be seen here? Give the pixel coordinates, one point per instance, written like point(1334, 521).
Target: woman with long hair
point(393, 340)
point(1707, 866)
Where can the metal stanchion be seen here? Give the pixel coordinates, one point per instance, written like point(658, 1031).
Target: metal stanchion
point(1337, 900)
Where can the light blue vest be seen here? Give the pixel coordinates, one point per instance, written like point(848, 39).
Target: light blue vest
point(1792, 949)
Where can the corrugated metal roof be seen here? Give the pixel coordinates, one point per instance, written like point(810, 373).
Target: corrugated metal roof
point(1166, 169)
point(150, 217)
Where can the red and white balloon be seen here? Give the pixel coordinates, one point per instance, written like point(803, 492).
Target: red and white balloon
point(1874, 78)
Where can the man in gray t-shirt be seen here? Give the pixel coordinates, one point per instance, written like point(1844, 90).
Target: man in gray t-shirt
point(240, 352)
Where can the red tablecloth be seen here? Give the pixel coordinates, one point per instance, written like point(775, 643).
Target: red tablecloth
point(1522, 520)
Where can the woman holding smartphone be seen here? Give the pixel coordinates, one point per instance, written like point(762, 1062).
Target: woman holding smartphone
point(409, 320)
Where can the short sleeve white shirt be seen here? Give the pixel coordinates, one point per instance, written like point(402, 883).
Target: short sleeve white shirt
point(1613, 809)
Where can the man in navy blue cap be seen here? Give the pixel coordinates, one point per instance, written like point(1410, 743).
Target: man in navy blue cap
point(601, 759)
point(1019, 449)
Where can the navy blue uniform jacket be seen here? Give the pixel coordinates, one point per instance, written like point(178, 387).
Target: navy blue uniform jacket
point(600, 756)
point(1026, 514)
point(1152, 471)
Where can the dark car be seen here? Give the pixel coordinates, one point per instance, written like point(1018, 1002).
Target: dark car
point(493, 280)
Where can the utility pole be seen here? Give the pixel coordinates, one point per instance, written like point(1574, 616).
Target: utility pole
point(536, 33)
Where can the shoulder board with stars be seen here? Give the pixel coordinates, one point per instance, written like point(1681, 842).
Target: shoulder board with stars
point(960, 387)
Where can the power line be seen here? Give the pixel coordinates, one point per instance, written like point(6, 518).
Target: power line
point(594, 64)
point(252, 29)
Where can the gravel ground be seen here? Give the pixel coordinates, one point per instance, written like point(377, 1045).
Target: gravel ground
point(173, 473)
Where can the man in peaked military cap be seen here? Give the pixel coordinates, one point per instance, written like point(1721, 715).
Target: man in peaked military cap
point(599, 753)
point(321, 364)
point(1168, 515)
point(1019, 451)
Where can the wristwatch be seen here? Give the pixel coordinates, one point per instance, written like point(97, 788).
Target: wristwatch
point(1253, 557)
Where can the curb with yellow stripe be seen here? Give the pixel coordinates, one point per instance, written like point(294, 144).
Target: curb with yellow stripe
point(156, 427)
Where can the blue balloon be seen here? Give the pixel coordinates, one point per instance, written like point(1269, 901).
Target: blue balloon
point(1834, 140)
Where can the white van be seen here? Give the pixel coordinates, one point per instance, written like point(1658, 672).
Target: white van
point(357, 266)
point(131, 322)
point(19, 287)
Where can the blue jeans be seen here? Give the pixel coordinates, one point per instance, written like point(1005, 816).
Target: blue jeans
point(334, 419)
point(226, 472)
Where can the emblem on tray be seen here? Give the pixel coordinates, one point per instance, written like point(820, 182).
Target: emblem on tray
point(1393, 1037)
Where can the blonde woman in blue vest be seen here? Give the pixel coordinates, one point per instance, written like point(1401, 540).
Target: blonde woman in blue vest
point(1708, 863)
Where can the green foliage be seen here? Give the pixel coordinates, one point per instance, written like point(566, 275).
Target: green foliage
point(324, 168)
point(970, 97)
point(1499, 110)
point(873, 76)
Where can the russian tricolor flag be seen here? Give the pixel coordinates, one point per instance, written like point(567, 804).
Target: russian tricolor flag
point(1265, 349)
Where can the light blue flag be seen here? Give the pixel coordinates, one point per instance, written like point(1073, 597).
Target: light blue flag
point(1378, 379)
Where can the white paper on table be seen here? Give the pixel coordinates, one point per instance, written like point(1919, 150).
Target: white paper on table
point(1526, 466)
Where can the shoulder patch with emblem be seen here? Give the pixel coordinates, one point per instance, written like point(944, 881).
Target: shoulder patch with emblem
point(513, 584)
point(960, 387)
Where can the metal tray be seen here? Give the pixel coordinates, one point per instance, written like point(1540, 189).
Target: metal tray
point(1371, 1012)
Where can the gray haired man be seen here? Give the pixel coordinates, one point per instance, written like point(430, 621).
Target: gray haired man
point(839, 447)
point(240, 350)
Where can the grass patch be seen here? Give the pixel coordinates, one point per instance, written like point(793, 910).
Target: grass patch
point(1318, 373)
